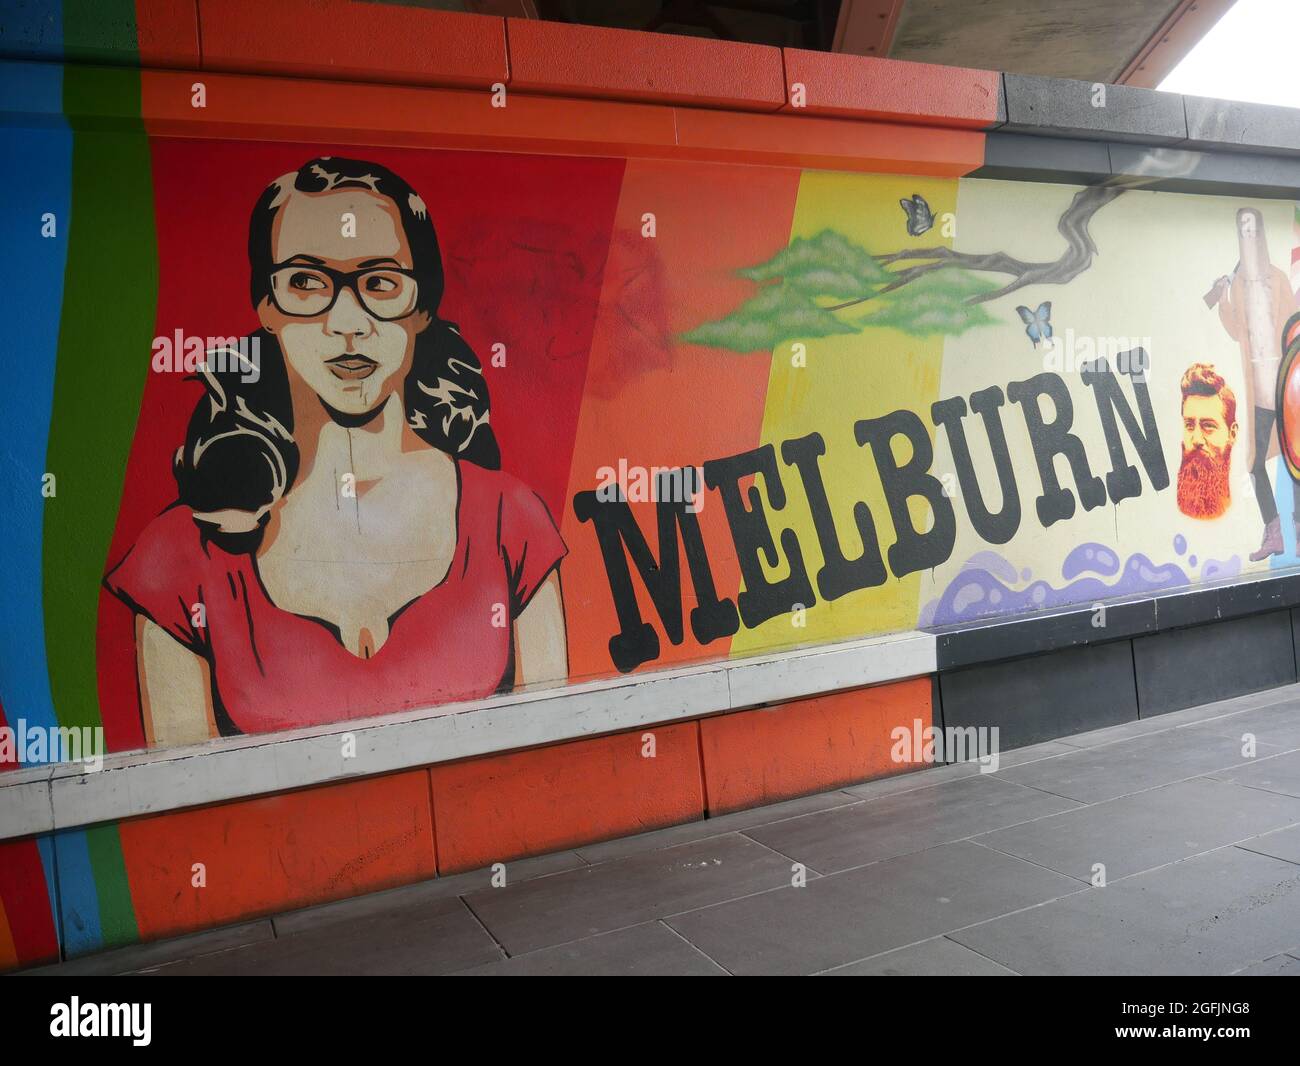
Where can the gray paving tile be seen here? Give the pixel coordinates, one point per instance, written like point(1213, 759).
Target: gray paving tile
point(1279, 773)
point(628, 891)
point(1209, 915)
point(1093, 775)
point(1135, 833)
point(850, 916)
point(157, 952)
point(421, 894)
point(939, 957)
point(1048, 749)
point(944, 772)
point(915, 779)
point(649, 950)
point(897, 825)
point(1284, 844)
point(444, 937)
point(1277, 966)
point(1277, 725)
point(713, 827)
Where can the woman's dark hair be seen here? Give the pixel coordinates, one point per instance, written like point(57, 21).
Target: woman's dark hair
point(239, 453)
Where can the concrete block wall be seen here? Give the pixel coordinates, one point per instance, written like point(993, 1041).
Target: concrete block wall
point(742, 152)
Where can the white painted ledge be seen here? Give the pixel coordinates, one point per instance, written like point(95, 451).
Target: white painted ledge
point(41, 799)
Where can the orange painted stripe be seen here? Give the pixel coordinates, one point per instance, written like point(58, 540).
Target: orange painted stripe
point(353, 41)
point(571, 60)
point(8, 953)
point(506, 806)
point(762, 756)
point(893, 90)
point(709, 220)
point(275, 853)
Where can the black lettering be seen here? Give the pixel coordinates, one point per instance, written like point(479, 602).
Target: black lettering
point(1123, 482)
point(616, 527)
point(761, 599)
point(994, 528)
point(913, 550)
point(1051, 439)
point(838, 575)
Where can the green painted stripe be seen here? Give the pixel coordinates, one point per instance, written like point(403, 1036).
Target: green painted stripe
point(100, 31)
point(109, 307)
point(116, 911)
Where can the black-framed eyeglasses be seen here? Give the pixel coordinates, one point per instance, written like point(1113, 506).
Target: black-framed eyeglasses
point(306, 290)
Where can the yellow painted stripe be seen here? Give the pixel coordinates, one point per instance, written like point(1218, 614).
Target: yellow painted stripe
point(848, 378)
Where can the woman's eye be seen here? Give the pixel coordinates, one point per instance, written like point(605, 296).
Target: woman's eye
point(380, 283)
point(306, 282)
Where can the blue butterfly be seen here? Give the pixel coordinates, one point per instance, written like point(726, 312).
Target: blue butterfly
point(1037, 323)
point(919, 216)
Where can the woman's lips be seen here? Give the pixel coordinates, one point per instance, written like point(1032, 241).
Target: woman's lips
point(351, 367)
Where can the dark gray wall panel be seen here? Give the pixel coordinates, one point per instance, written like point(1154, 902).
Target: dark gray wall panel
point(1042, 631)
point(1295, 636)
point(1210, 173)
point(1186, 667)
point(1044, 696)
point(1024, 157)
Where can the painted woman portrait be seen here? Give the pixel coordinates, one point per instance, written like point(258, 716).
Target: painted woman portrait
point(343, 543)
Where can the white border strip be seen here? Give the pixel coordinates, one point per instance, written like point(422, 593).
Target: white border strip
point(42, 799)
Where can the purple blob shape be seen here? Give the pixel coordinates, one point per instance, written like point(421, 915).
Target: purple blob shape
point(976, 593)
point(1090, 558)
point(1180, 544)
point(1221, 568)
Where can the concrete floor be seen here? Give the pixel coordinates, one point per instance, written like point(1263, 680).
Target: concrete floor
point(945, 871)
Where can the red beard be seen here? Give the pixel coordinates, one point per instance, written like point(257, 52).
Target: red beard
point(1203, 490)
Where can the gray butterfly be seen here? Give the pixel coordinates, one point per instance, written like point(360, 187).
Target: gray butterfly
point(919, 216)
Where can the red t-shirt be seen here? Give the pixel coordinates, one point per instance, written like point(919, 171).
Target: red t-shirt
point(272, 669)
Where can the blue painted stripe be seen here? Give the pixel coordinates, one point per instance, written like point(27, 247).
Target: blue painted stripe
point(1285, 498)
point(33, 28)
point(45, 847)
point(37, 181)
point(78, 897)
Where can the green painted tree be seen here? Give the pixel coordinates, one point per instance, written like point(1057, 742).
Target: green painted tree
point(813, 287)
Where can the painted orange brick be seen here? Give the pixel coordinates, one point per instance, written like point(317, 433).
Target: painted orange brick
point(263, 108)
point(353, 41)
point(550, 57)
point(502, 807)
point(798, 140)
point(893, 90)
point(771, 754)
point(275, 853)
point(167, 33)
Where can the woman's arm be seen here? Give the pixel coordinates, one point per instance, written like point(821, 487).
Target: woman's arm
point(175, 689)
point(541, 648)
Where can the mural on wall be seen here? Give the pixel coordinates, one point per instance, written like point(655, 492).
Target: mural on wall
point(402, 428)
point(732, 409)
point(343, 531)
point(1254, 301)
